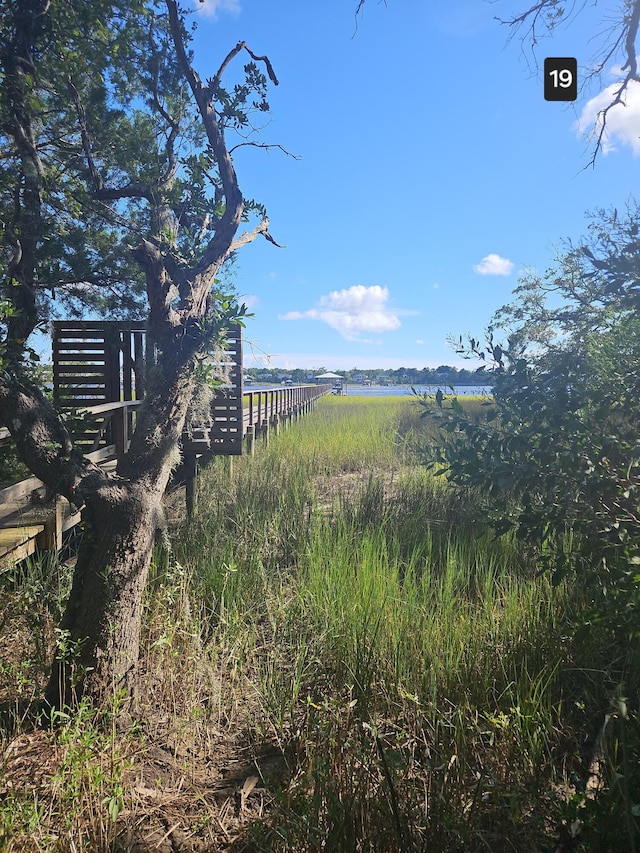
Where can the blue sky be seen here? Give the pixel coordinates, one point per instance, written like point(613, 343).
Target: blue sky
point(431, 171)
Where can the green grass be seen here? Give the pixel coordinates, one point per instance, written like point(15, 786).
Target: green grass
point(420, 679)
point(416, 669)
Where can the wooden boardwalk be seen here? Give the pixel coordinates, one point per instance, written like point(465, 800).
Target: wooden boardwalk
point(31, 520)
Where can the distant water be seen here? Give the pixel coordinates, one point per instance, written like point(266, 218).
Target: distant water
point(354, 390)
point(399, 390)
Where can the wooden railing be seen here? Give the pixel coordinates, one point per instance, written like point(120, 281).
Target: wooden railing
point(113, 423)
point(263, 408)
point(28, 519)
point(109, 426)
point(263, 411)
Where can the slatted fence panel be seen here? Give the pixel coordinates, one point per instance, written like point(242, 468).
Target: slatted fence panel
point(97, 362)
point(227, 430)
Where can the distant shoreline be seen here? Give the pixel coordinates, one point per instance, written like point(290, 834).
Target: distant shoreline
point(355, 390)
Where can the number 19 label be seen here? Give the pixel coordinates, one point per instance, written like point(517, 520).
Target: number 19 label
point(560, 78)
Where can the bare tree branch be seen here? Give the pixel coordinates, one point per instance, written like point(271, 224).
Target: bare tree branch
point(250, 236)
point(265, 59)
point(214, 83)
point(218, 247)
point(630, 42)
point(267, 146)
point(622, 37)
point(359, 9)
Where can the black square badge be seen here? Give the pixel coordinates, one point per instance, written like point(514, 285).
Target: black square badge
point(560, 78)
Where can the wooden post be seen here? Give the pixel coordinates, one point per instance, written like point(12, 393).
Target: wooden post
point(191, 482)
point(52, 533)
point(121, 430)
point(251, 439)
point(275, 423)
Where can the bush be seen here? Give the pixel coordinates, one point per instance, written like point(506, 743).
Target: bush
point(556, 455)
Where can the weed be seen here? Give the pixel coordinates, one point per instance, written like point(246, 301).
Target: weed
point(331, 604)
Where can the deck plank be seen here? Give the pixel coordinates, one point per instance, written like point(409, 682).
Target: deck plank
point(16, 543)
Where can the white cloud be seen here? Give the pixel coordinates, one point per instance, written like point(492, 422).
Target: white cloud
point(419, 341)
point(211, 8)
point(353, 311)
point(494, 265)
point(623, 120)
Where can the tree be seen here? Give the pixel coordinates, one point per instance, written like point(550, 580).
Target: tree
point(556, 456)
point(119, 186)
point(616, 35)
point(616, 40)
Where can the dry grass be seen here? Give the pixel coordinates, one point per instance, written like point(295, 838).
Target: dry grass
point(334, 659)
point(187, 775)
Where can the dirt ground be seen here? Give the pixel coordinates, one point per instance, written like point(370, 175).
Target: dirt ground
point(194, 778)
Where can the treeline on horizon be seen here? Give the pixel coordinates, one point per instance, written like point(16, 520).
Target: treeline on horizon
point(441, 376)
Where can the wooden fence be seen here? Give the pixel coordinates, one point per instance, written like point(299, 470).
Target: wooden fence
point(262, 412)
point(99, 361)
point(28, 521)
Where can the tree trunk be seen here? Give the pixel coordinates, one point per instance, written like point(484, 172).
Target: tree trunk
point(99, 636)
point(98, 643)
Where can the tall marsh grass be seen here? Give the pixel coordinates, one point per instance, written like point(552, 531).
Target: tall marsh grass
point(414, 670)
point(331, 603)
